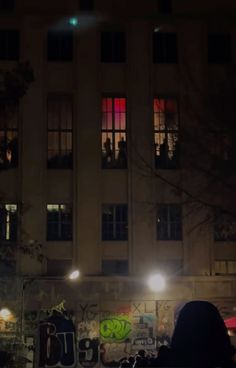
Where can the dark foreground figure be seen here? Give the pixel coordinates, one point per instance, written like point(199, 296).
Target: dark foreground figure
point(200, 339)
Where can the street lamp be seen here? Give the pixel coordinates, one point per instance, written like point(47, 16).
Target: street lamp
point(5, 314)
point(74, 275)
point(157, 282)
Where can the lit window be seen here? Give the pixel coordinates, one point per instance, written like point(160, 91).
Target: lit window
point(115, 267)
point(114, 150)
point(166, 133)
point(9, 44)
point(60, 45)
point(59, 132)
point(169, 222)
point(115, 222)
point(113, 47)
point(219, 48)
point(225, 267)
point(8, 141)
point(59, 222)
point(165, 49)
point(224, 226)
point(8, 222)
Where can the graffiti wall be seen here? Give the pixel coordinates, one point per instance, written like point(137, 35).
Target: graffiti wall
point(105, 333)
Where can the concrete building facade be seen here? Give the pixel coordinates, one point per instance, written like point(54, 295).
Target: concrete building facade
point(112, 84)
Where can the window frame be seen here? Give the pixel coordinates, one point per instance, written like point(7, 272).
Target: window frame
point(222, 55)
point(121, 267)
point(9, 127)
point(11, 224)
point(59, 164)
point(10, 51)
point(115, 230)
point(113, 50)
point(168, 226)
point(118, 155)
point(165, 47)
point(225, 221)
point(59, 223)
point(161, 118)
point(58, 36)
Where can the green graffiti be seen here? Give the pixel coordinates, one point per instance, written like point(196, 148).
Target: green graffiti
point(115, 329)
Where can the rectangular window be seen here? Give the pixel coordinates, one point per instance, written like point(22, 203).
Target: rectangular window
point(59, 222)
point(114, 149)
point(86, 5)
point(60, 45)
point(224, 226)
point(8, 140)
point(164, 6)
point(9, 44)
point(219, 48)
point(169, 222)
point(59, 116)
point(115, 222)
point(115, 267)
point(166, 133)
point(58, 267)
point(113, 47)
point(7, 5)
point(225, 267)
point(165, 50)
point(8, 222)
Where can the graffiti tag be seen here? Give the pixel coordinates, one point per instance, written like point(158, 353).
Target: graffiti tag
point(115, 329)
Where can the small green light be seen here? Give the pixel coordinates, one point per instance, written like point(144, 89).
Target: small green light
point(73, 22)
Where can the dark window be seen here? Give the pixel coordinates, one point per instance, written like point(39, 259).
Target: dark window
point(169, 222)
point(164, 6)
point(224, 226)
point(7, 5)
point(113, 47)
point(60, 45)
point(165, 49)
point(9, 44)
point(86, 5)
point(115, 267)
point(114, 150)
point(58, 267)
point(8, 222)
point(219, 48)
point(8, 140)
point(115, 222)
point(59, 132)
point(59, 222)
point(166, 133)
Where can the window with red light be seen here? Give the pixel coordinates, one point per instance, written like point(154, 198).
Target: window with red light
point(114, 149)
point(166, 133)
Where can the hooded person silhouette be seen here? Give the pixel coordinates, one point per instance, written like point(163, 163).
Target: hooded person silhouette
point(200, 338)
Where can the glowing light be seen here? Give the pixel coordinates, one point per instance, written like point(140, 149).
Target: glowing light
point(74, 275)
point(5, 314)
point(73, 21)
point(156, 282)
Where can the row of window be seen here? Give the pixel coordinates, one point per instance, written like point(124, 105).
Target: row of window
point(113, 134)
point(60, 46)
point(114, 223)
point(164, 6)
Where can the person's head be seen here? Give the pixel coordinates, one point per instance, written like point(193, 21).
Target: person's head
point(200, 336)
point(142, 353)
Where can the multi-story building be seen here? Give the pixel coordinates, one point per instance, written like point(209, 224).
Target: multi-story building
point(95, 165)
